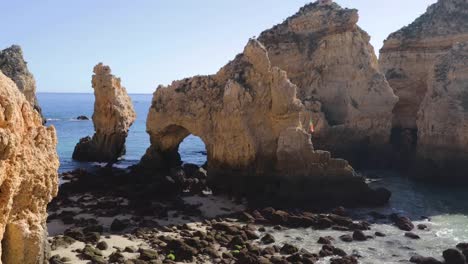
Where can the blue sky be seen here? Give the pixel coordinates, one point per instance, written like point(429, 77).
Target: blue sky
point(151, 42)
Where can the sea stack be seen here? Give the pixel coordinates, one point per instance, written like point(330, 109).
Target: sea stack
point(112, 118)
point(255, 130)
point(13, 65)
point(336, 71)
point(28, 177)
point(420, 64)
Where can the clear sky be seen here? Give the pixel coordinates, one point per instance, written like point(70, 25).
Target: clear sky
point(151, 42)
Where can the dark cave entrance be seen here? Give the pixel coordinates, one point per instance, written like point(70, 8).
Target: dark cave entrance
point(404, 142)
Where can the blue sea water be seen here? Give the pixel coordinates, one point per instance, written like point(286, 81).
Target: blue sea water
point(62, 109)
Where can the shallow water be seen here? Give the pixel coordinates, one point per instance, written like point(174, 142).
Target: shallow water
point(61, 110)
point(446, 208)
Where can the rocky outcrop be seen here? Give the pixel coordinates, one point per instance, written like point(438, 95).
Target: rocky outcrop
point(28, 177)
point(443, 114)
point(254, 129)
point(332, 63)
point(112, 118)
point(412, 62)
point(12, 64)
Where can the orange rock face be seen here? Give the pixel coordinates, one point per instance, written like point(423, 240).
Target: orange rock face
point(28, 177)
point(332, 63)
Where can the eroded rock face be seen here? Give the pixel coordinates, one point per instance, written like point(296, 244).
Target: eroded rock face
point(13, 65)
point(253, 127)
point(112, 118)
point(409, 58)
point(28, 177)
point(443, 114)
point(332, 63)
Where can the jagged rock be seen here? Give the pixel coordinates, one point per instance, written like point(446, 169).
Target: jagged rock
point(28, 177)
point(112, 118)
point(253, 127)
point(13, 65)
point(408, 60)
point(336, 71)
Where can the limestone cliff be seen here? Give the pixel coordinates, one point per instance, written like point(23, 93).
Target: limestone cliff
point(112, 118)
point(408, 57)
point(28, 177)
point(254, 129)
point(334, 66)
point(443, 114)
point(12, 64)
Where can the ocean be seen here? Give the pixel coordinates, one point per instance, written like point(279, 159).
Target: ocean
point(62, 109)
point(443, 209)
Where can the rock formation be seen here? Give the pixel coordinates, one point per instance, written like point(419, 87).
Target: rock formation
point(442, 119)
point(28, 177)
point(253, 127)
point(12, 64)
point(409, 58)
point(112, 118)
point(334, 66)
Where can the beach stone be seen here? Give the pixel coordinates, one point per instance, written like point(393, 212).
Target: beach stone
point(268, 239)
point(346, 238)
point(116, 257)
point(61, 242)
point(422, 226)
point(288, 249)
point(453, 256)
point(402, 222)
point(148, 254)
point(379, 234)
point(424, 260)
point(344, 260)
point(102, 245)
point(92, 237)
point(412, 235)
point(93, 254)
point(325, 240)
point(358, 235)
point(56, 259)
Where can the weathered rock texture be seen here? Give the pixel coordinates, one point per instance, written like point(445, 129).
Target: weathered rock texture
point(409, 58)
point(443, 115)
point(254, 130)
point(334, 66)
point(28, 177)
point(12, 64)
point(112, 118)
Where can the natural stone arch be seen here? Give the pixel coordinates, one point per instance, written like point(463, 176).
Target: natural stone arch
point(255, 132)
point(165, 145)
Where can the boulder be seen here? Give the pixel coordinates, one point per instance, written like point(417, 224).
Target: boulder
point(112, 118)
point(13, 65)
point(28, 177)
point(334, 66)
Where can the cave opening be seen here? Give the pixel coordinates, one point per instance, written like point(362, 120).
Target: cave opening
point(404, 142)
point(193, 150)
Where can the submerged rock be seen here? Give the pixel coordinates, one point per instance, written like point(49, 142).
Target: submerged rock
point(255, 131)
point(28, 177)
point(112, 118)
point(13, 65)
point(338, 79)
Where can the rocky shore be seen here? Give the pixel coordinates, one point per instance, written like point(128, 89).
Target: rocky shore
point(129, 221)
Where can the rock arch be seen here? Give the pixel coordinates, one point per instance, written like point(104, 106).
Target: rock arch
point(254, 129)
